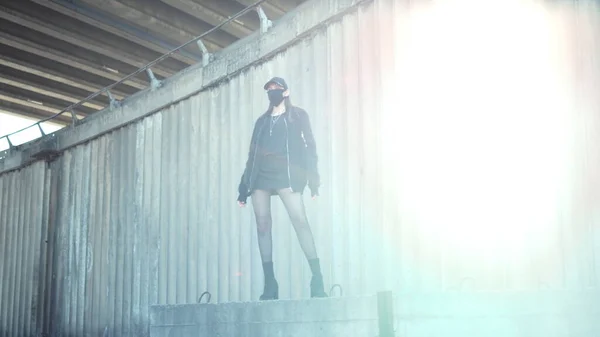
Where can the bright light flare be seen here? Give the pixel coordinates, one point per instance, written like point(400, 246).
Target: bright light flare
point(477, 124)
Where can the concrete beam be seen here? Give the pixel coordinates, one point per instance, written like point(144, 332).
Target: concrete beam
point(89, 32)
point(285, 5)
point(24, 101)
point(156, 25)
point(55, 76)
point(47, 91)
point(75, 39)
point(272, 11)
point(97, 20)
point(182, 21)
point(31, 113)
point(210, 16)
point(65, 58)
point(21, 106)
point(231, 7)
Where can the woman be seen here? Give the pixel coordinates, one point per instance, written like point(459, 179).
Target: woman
point(281, 161)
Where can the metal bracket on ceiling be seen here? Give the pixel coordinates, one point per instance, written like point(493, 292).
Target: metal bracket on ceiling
point(154, 82)
point(10, 144)
point(113, 102)
point(205, 54)
point(41, 130)
point(265, 23)
point(73, 117)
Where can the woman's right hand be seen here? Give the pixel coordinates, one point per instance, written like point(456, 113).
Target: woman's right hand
point(241, 200)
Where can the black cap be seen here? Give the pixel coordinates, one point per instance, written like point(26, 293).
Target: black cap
point(276, 80)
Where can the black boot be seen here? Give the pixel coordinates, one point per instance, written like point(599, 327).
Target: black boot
point(316, 283)
point(271, 291)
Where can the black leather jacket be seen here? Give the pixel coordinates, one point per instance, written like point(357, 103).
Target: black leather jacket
point(301, 154)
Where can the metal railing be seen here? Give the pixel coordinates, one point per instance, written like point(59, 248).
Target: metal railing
point(265, 24)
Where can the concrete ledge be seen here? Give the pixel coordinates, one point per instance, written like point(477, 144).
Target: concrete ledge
point(245, 53)
point(495, 304)
point(503, 314)
point(187, 314)
point(318, 317)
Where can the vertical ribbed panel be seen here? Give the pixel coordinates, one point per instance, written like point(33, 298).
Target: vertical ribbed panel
point(23, 236)
point(147, 214)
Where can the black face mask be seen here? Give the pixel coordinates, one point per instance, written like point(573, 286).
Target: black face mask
point(275, 96)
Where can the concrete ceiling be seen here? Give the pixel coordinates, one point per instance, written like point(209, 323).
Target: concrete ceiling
point(54, 53)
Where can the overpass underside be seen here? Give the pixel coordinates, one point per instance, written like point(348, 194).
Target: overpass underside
point(56, 53)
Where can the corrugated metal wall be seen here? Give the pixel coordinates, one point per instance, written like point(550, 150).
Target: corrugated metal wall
point(147, 214)
point(24, 212)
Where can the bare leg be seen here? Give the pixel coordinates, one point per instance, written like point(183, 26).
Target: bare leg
point(261, 202)
point(294, 204)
